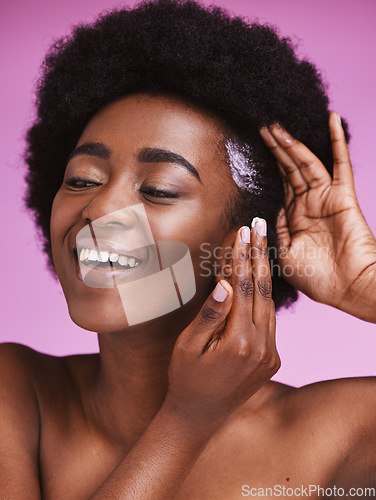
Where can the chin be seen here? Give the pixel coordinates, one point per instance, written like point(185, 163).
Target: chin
point(99, 318)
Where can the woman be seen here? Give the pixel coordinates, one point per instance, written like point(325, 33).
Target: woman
point(137, 111)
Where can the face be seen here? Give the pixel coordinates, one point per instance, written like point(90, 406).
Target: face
point(146, 169)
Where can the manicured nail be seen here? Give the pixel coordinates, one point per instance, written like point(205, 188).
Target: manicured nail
point(219, 293)
point(245, 234)
point(287, 140)
point(260, 226)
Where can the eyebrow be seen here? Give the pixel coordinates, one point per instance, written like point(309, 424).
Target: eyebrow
point(157, 155)
point(146, 155)
point(92, 149)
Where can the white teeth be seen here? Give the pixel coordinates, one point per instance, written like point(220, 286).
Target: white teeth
point(114, 257)
point(103, 256)
point(123, 260)
point(93, 255)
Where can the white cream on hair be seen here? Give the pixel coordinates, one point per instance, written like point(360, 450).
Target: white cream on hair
point(243, 169)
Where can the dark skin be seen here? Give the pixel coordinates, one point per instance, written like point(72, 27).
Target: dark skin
point(152, 416)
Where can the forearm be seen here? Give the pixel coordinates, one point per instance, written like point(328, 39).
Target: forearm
point(159, 462)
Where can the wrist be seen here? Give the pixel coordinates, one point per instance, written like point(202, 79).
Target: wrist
point(194, 420)
point(359, 298)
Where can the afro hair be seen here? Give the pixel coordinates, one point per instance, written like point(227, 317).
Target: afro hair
point(244, 74)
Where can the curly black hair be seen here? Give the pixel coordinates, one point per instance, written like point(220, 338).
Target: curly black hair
point(244, 74)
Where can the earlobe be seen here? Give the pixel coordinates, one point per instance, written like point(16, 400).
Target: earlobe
point(224, 260)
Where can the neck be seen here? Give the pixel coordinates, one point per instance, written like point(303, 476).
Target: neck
point(132, 377)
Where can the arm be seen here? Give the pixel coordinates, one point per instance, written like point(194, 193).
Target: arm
point(161, 459)
point(323, 234)
point(223, 357)
point(19, 427)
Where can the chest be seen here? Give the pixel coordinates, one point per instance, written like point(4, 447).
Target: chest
point(238, 462)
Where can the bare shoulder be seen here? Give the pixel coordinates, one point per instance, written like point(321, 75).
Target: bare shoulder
point(18, 363)
point(47, 381)
point(31, 383)
point(24, 368)
point(19, 423)
point(338, 416)
point(351, 399)
point(22, 373)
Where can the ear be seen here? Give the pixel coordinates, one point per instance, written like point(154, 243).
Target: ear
point(224, 260)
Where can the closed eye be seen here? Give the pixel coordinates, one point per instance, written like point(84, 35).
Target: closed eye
point(158, 193)
point(79, 183)
point(151, 191)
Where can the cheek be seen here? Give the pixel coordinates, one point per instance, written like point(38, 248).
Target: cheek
point(57, 221)
point(199, 231)
point(63, 215)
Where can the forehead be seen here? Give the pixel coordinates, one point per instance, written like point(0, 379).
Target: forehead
point(163, 122)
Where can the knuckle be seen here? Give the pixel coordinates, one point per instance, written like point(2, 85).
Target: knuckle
point(243, 347)
point(209, 315)
point(246, 287)
point(259, 251)
point(264, 286)
point(263, 356)
point(274, 363)
point(268, 359)
point(340, 162)
point(244, 254)
point(277, 362)
point(306, 164)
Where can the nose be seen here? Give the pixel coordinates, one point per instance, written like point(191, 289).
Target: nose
point(111, 206)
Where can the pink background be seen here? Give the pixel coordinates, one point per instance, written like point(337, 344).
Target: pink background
point(315, 342)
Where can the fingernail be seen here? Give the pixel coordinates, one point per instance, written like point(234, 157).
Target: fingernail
point(219, 293)
point(260, 226)
point(245, 234)
point(339, 119)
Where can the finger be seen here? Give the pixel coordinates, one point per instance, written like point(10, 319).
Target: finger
point(287, 188)
point(342, 170)
point(311, 168)
point(213, 313)
point(272, 323)
point(272, 338)
point(283, 232)
point(287, 164)
point(262, 297)
point(242, 281)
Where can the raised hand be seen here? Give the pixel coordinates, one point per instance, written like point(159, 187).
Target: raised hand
point(228, 352)
point(327, 250)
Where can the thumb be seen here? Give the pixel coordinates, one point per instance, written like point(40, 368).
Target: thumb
point(213, 313)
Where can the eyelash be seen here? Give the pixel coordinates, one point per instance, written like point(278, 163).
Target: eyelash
point(74, 181)
point(158, 193)
point(149, 190)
